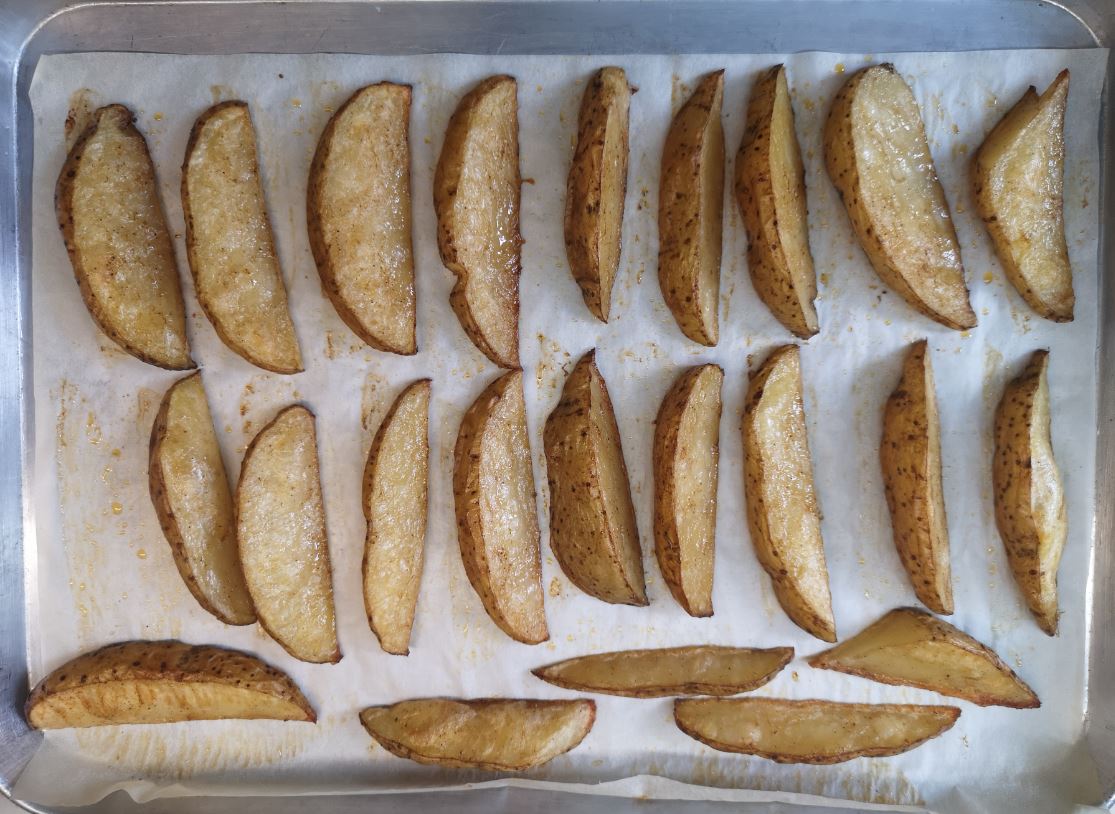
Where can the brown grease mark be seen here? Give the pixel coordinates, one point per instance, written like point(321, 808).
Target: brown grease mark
point(79, 115)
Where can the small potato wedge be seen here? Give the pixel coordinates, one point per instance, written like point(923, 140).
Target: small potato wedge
point(782, 512)
point(592, 521)
point(597, 187)
point(229, 241)
point(163, 682)
point(910, 647)
point(359, 218)
point(1029, 495)
point(496, 734)
point(1018, 176)
point(395, 503)
point(192, 498)
point(695, 670)
point(280, 527)
point(497, 520)
point(770, 192)
point(910, 453)
point(477, 189)
point(818, 732)
point(691, 212)
point(686, 472)
point(113, 224)
point(878, 158)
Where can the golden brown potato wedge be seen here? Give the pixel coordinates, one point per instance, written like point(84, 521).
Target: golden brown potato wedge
point(190, 490)
point(592, 521)
point(497, 734)
point(912, 648)
point(691, 212)
point(229, 240)
point(597, 187)
point(910, 453)
point(395, 498)
point(163, 682)
point(497, 520)
point(697, 670)
point(358, 216)
point(1018, 175)
point(476, 199)
point(819, 732)
point(1029, 495)
point(770, 192)
point(112, 221)
point(280, 527)
point(782, 512)
point(879, 160)
point(686, 471)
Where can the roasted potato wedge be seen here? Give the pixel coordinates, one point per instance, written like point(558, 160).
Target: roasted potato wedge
point(395, 502)
point(192, 498)
point(782, 511)
point(359, 219)
point(229, 241)
point(497, 734)
point(910, 453)
point(497, 521)
point(112, 221)
point(697, 670)
point(691, 212)
point(1018, 175)
point(592, 521)
point(912, 648)
point(1029, 495)
point(879, 160)
point(686, 471)
point(597, 187)
point(476, 199)
point(819, 732)
point(163, 682)
point(770, 192)
point(280, 526)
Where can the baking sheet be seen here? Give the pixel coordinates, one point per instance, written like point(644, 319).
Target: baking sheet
point(100, 571)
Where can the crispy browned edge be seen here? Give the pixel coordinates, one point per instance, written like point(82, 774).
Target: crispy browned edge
point(63, 208)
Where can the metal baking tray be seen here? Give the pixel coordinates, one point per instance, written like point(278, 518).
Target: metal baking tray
point(31, 28)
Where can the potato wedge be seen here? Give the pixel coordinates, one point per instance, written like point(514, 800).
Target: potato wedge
point(229, 241)
point(819, 732)
point(1029, 495)
point(395, 502)
point(280, 527)
point(476, 199)
point(910, 647)
point(597, 187)
point(112, 221)
point(359, 219)
point(1018, 176)
point(497, 734)
point(782, 512)
point(691, 212)
point(697, 670)
point(770, 193)
point(592, 521)
point(686, 472)
point(879, 160)
point(190, 490)
point(910, 453)
point(163, 682)
point(497, 520)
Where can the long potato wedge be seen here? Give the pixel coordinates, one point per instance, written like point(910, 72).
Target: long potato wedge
point(113, 224)
point(162, 682)
point(359, 218)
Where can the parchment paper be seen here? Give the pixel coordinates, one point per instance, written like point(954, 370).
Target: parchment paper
point(100, 571)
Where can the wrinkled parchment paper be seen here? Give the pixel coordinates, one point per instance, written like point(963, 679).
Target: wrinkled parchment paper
point(100, 571)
